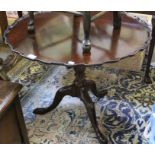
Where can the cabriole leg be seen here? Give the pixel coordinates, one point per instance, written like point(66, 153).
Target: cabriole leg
point(79, 88)
point(92, 115)
point(57, 99)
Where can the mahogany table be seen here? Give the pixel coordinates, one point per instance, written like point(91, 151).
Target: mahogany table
point(62, 38)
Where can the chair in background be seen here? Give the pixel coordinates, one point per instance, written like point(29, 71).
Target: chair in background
point(117, 25)
point(149, 53)
point(12, 126)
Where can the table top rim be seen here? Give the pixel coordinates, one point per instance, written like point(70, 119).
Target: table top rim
point(138, 19)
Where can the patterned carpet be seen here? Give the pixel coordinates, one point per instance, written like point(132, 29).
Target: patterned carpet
point(123, 114)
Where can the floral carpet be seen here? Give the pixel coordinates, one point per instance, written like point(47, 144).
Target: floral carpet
point(122, 114)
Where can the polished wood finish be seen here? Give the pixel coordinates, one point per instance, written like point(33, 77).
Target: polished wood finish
point(3, 22)
point(8, 91)
point(52, 42)
point(12, 126)
point(12, 59)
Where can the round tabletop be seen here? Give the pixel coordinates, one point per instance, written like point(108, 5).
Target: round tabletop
point(58, 38)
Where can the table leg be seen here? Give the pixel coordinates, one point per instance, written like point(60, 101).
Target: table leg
point(20, 14)
point(147, 78)
point(92, 115)
point(57, 99)
point(116, 20)
point(31, 28)
point(3, 22)
point(86, 26)
point(79, 88)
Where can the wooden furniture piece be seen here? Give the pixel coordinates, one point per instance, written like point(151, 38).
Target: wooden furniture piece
point(149, 54)
point(117, 25)
point(12, 125)
point(3, 22)
point(59, 38)
point(150, 50)
point(11, 60)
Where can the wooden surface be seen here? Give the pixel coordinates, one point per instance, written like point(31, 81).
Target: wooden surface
point(9, 128)
point(12, 125)
point(8, 91)
point(58, 39)
point(3, 21)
